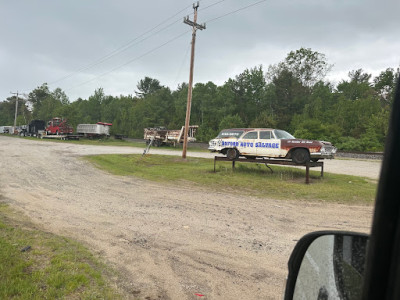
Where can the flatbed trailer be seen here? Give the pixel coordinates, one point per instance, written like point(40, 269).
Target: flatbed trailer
point(161, 136)
point(60, 137)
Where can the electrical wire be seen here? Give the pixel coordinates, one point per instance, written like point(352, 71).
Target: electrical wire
point(132, 60)
point(235, 11)
point(131, 43)
point(169, 41)
point(182, 64)
point(124, 47)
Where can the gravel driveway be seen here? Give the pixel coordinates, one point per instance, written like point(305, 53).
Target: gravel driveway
point(169, 242)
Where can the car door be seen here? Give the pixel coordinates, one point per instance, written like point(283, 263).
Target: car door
point(247, 144)
point(268, 145)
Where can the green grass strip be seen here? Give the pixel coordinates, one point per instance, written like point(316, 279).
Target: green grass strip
point(53, 268)
point(246, 179)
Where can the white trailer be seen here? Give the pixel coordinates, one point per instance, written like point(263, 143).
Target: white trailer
point(94, 130)
point(6, 129)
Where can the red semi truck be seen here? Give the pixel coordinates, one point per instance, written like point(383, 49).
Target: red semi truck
point(58, 126)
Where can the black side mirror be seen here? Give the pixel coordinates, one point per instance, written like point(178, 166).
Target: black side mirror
point(327, 265)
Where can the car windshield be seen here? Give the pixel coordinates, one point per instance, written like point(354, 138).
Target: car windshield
point(230, 133)
point(283, 135)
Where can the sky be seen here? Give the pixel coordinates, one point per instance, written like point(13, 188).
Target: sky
point(80, 46)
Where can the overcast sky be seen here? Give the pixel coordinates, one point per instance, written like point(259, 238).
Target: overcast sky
point(80, 46)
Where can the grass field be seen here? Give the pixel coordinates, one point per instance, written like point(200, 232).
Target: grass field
point(247, 179)
point(39, 265)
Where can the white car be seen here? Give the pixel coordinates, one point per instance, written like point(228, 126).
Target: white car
point(267, 142)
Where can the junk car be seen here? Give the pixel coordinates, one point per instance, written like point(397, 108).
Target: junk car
point(271, 143)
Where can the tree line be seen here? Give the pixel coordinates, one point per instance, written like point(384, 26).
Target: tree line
point(292, 95)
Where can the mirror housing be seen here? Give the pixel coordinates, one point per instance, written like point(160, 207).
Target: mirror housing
point(327, 265)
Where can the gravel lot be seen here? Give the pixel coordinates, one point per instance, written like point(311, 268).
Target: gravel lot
point(169, 242)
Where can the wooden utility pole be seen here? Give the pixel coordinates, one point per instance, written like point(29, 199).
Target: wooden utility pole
point(195, 26)
point(16, 110)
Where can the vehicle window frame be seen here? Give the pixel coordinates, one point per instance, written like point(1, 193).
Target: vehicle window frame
point(266, 131)
point(247, 133)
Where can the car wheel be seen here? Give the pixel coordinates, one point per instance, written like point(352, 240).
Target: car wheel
point(232, 153)
point(314, 159)
point(300, 156)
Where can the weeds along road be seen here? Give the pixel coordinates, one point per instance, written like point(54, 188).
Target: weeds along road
point(167, 242)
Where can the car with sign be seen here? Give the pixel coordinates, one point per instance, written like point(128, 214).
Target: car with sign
point(271, 143)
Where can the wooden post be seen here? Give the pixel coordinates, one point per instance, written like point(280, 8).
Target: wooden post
point(189, 98)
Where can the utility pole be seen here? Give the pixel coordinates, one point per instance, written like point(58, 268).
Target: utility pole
point(195, 26)
point(16, 110)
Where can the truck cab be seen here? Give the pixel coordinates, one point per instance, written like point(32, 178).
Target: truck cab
point(58, 126)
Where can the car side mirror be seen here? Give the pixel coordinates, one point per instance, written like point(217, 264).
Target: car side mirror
point(327, 265)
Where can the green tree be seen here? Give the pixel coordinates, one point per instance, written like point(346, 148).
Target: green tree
point(357, 87)
point(36, 97)
point(385, 84)
point(288, 97)
point(147, 86)
point(249, 93)
point(231, 122)
point(264, 120)
point(306, 65)
point(7, 112)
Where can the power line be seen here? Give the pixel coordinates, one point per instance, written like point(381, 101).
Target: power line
point(211, 5)
point(123, 48)
point(182, 64)
point(130, 44)
point(235, 11)
point(132, 60)
point(169, 41)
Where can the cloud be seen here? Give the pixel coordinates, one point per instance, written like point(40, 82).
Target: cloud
point(45, 41)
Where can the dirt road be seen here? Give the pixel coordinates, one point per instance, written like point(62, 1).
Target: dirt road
point(168, 242)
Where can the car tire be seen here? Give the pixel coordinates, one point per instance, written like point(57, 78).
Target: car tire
point(232, 153)
point(314, 159)
point(300, 156)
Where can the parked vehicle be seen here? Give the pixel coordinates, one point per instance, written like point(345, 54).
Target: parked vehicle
point(94, 130)
point(58, 126)
point(272, 143)
point(161, 135)
point(6, 129)
point(34, 128)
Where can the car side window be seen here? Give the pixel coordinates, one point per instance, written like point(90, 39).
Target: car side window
point(265, 135)
point(251, 135)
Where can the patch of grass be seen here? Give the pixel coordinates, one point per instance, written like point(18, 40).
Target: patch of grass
point(54, 267)
point(247, 179)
